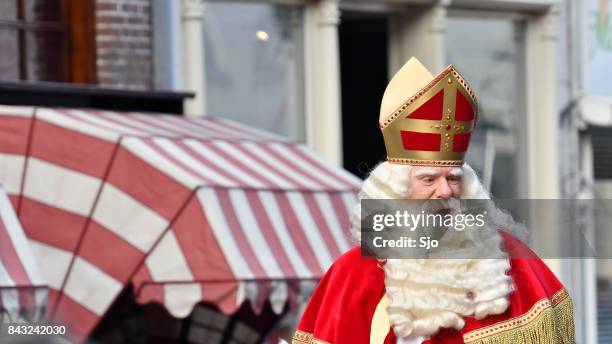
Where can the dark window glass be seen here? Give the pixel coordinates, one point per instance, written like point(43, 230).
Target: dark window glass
point(33, 40)
point(43, 10)
point(45, 56)
point(8, 9)
point(9, 54)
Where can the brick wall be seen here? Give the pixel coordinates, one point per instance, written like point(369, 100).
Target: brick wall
point(124, 55)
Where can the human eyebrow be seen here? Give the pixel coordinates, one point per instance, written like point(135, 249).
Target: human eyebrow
point(428, 172)
point(456, 172)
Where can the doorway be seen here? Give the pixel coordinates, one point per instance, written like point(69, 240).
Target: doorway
point(364, 65)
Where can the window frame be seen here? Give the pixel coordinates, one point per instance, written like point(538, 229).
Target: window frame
point(77, 26)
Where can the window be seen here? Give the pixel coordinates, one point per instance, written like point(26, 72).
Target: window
point(489, 53)
point(46, 40)
point(253, 65)
point(207, 325)
point(599, 41)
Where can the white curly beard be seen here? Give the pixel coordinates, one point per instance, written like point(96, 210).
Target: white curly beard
point(428, 294)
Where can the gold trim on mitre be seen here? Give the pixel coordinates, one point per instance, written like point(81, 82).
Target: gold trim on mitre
point(411, 87)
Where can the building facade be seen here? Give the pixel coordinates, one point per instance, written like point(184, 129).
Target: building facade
point(316, 71)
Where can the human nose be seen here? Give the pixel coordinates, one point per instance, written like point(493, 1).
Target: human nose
point(443, 190)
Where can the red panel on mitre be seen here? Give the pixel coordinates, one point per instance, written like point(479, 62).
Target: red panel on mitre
point(461, 142)
point(432, 109)
point(412, 140)
point(463, 109)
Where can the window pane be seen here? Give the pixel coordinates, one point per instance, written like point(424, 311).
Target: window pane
point(253, 65)
point(43, 10)
point(8, 9)
point(488, 53)
point(9, 54)
point(45, 56)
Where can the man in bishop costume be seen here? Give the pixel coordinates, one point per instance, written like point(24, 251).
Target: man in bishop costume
point(427, 122)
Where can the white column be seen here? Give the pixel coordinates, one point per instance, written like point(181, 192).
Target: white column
point(166, 28)
point(193, 56)
point(323, 108)
point(542, 128)
point(542, 115)
point(420, 32)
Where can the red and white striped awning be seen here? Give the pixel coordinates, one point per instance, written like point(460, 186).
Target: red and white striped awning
point(187, 210)
point(23, 293)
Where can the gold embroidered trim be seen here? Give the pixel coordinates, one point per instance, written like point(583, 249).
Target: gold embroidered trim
point(425, 162)
point(301, 337)
point(550, 320)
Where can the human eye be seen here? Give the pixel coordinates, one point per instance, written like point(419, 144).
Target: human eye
point(427, 180)
point(454, 179)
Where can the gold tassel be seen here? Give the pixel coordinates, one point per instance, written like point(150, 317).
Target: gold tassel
point(553, 325)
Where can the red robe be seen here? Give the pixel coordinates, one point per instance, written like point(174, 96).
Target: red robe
point(342, 307)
